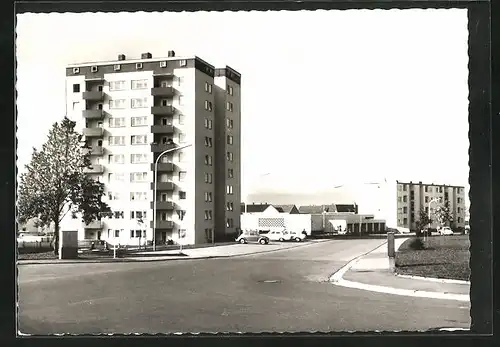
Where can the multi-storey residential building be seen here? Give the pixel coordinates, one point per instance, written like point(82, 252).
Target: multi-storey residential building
point(411, 197)
point(227, 152)
point(132, 111)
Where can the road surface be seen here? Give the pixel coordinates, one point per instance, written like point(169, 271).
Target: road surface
point(279, 291)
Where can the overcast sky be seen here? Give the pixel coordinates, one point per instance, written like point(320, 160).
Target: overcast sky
point(328, 97)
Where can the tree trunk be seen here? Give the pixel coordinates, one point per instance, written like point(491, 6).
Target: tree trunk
point(56, 238)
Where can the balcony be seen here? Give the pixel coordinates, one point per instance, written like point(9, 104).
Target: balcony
point(93, 114)
point(162, 110)
point(163, 186)
point(97, 224)
point(95, 169)
point(163, 205)
point(162, 129)
point(163, 167)
point(163, 91)
point(157, 148)
point(93, 132)
point(98, 150)
point(93, 96)
point(162, 224)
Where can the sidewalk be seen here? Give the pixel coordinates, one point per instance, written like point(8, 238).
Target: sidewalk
point(372, 272)
point(219, 251)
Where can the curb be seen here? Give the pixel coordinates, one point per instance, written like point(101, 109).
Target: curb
point(148, 259)
point(337, 279)
point(433, 279)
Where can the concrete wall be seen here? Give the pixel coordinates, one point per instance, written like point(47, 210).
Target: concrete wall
point(295, 222)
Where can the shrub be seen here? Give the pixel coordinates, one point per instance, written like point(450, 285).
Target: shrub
point(416, 244)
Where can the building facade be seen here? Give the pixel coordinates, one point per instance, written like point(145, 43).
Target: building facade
point(131, 112)
point(227, 153)
point(412, 197)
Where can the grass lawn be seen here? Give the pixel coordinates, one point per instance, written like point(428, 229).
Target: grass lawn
point(443, 257)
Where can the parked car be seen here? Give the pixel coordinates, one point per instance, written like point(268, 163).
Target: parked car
point(295, 236)
point(278, 235)
point(252, 236)
point(445, 231)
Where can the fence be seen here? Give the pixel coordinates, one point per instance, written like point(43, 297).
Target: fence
point(34, 246)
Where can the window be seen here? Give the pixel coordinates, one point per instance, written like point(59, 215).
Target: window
point(166, 121)
point(208, 141)
point(76, 105)
point(180, 81)
point(405, 198)
point(426, 199)
point(208, 196)
point(208, 214)
point(165, 102)
point(181, 119)
point(116, 140)
point(163, 64)
point(182, 195)
point(459, 220)
point(229, 90)
point(229, 139)
point(208, 105)
point(229, 190)
point(459, 209)
point(229, 156)
point(139, 84)
point(182, 138)
point(116, 177)
point(405, 209)
point(138, 176)
point(93, 68)
point(137, 196)
point(140, 102)
point(208, 87)
point(76, 88)
point(404, 187)
point(116, 159)
point(425, 189)
point(182, 176)
point(229, 123)
point(117, 104)
point(138, 66)
point(139, 139)
point(440, 189)
point(230, 173)
point(459, 200)
point(76, 70)
point(116, 122)
point(181, 214)
point(117, 233)
point(114, 196)
point(229, 223)
point(208, 177)
point(139, 121)
point(183, 62)
point(405, 221)
point(208, 123)
point(137, 214)
point(208, 160)
point(180, 156)
point(229, 106)
point(139, 158)
point(116, 67)
point(117, 85)
point(229, 206)
point(399, 199)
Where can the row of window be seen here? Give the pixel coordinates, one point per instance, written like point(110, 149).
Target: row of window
point(116, 104)
point(405, 209)
point(428, 189)
point(405, 220)
point(121, 122)
point(134, 215)
point(139, 177)
point(140, 158)
point(404, 198)
point(140, 139)
point(142, 196)
point(133, 233)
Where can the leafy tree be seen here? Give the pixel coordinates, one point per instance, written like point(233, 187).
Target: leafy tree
point(443, 214)
point(423, 219)
point(55, 182)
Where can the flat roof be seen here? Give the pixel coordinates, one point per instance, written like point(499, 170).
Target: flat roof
point(139, 60)
point(430, 184)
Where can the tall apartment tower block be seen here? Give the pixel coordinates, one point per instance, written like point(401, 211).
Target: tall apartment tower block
point(411, 197)
point(130, 111)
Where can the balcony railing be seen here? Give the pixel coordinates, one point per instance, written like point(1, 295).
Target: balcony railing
point(162, 129)
point(163, 205)
point(97, 150)
point(162, 110)
point(162, 224)
point(157, 148)
point(163, 167)
point(95, 169)
point(93, 96)
point(163, 91)
point(93, 114)
point(93, 132)
point(163, 186)
point(97, 224)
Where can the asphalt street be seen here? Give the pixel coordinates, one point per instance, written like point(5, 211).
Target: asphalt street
point(282, 291)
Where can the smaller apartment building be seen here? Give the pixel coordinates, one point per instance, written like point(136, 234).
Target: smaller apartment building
point(411, 197)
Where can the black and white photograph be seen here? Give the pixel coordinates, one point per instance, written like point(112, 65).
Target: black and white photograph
point(243, 172)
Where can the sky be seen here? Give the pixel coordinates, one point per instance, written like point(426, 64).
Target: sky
point(328, 97)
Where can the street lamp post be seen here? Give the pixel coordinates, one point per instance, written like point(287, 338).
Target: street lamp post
point(155, 178)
